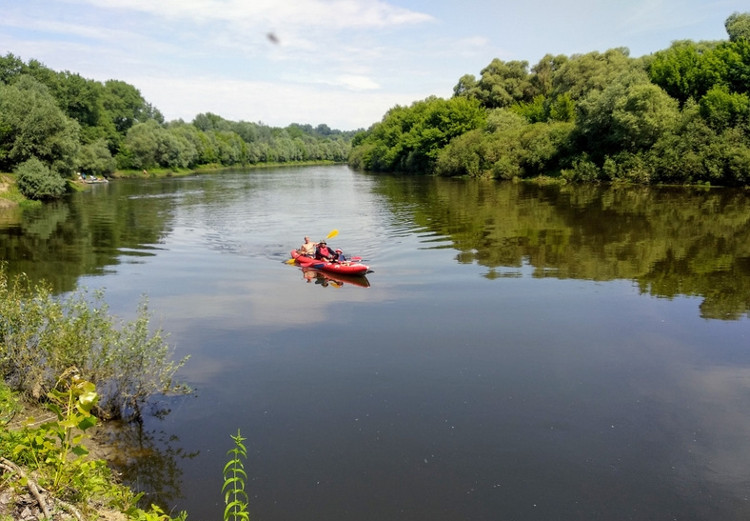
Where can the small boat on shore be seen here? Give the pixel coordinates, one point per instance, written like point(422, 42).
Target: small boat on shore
point(92, 179)
point(353, 267)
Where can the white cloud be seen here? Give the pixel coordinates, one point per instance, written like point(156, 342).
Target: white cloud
point(276, 104)
point(319, 13)
point(357, 82)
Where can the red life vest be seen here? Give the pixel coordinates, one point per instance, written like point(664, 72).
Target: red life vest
point(324, 252)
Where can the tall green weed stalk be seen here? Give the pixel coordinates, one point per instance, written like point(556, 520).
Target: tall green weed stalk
point(235, 497)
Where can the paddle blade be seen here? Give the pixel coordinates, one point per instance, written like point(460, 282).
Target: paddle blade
point(333, 234)
point(290, 261)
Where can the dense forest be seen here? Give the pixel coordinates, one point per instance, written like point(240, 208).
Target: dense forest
point(677, 116)
point(54, 124)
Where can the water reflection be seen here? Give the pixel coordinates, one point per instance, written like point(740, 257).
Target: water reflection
point(481, 373)
point(670, 241)
point(324, 279)
point(147, 460)
point(86, 234)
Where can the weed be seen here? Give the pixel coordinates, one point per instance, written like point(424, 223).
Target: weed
point(235, 496)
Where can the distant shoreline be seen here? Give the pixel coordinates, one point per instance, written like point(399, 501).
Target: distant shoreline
point(10, 196)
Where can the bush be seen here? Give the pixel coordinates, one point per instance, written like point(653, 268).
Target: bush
point(36, 181)
point(41, 337)
point(584, 171)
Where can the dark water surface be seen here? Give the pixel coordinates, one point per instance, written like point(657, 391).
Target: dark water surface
point(520, 353)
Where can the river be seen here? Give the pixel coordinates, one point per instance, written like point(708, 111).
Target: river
point(517, 352)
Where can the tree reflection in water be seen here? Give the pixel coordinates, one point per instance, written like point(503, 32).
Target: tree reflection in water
point(146, 460)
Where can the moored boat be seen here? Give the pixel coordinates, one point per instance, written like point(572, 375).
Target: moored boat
point(345, 267)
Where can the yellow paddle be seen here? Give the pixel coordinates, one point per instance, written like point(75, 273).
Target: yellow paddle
point(331, 235)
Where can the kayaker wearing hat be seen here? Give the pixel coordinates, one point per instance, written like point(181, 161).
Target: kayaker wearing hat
point(323, 252)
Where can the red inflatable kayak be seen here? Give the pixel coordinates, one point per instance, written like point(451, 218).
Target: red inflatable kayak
point(346, 267)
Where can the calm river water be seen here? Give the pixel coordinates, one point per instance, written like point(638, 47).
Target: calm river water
point(521, 352)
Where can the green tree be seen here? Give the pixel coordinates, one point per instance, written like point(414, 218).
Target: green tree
point(544, 72)
point(95, 158)
point(501, 85)
point(731, 65)
point(410, 138)
point(32, 125)
point(139, 149)
point(466, 86)
point(581, 74)
point(11, 67)
point(81, 99)
point(191, 141)
point(642, 115)
point(209, 121)
point(722, 109)
point(125, 106)
point(150, 145)
point(738, 26)
point(36, 181)
point(678, 70)
point(630, 114)
point(231, 148)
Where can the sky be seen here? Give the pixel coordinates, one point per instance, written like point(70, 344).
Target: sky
point(343, 63)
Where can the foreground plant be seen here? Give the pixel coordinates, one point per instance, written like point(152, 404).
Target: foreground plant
point(235, 496)
point(49, 462)
point(72, 403)
point(56, 448)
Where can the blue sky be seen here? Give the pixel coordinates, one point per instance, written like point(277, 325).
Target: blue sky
point(339, 62)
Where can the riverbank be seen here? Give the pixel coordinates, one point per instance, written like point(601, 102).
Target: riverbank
point(23, 489)
point(63, 398)
point(93, 491)
point(206, 169)
point(11, 197)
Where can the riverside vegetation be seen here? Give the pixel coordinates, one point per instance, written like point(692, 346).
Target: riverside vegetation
point(678, 116)
point(56, 124)
point(681, 115)
point(69, 356)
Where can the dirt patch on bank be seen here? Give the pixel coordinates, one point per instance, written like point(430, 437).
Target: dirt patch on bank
point(4, 187)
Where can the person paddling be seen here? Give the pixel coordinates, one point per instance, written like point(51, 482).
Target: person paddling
point(323, 252)
point(308, 248)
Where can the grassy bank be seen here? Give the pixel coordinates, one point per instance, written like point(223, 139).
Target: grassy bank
point(50, 469)
point(10, 195)
point(206, 169)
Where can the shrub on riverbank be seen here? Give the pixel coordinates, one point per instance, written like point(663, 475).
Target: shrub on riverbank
point(36, 181)
point(42, 336)
point(72, 357)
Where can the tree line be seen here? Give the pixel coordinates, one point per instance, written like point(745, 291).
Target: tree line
point(54, 124)
point(680, 115)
